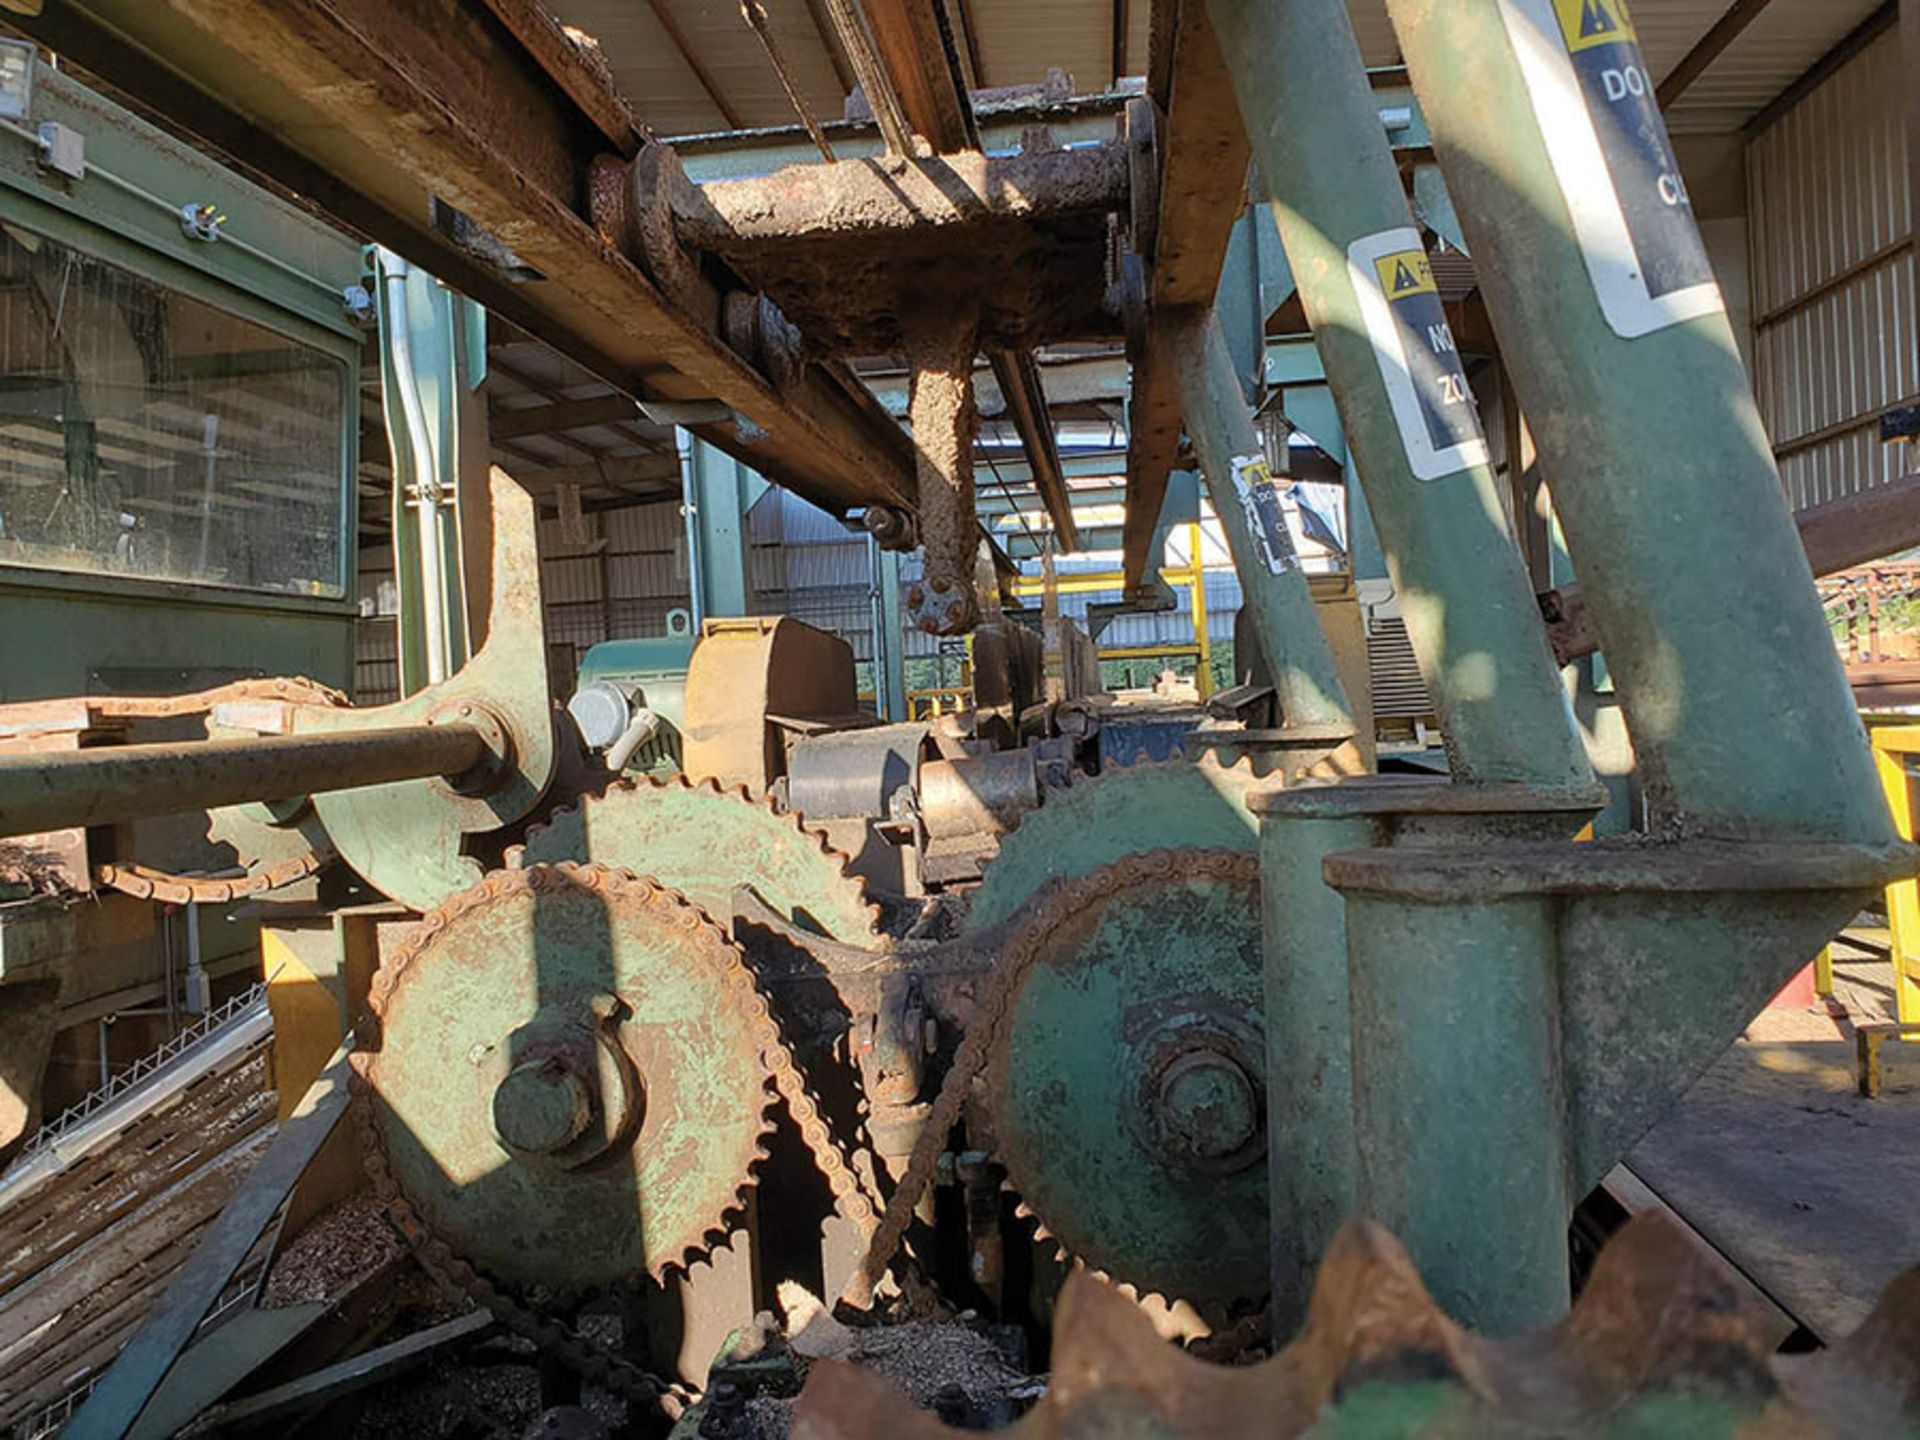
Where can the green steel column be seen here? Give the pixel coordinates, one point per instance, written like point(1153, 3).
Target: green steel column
point(889, 634)
point(1586, 247)
point(1311, 1163)
point(1410, 422)
point(1243, 494)
point(1455, 1031)
point(718, 492)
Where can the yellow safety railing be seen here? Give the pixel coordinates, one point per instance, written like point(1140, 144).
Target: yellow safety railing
point(1893, 743)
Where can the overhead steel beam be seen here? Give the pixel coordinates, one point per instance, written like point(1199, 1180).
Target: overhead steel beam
point(374, 110)
point(1838, 535)
point(1203, 158)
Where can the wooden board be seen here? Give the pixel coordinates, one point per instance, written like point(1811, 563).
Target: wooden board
point(1805, 1186)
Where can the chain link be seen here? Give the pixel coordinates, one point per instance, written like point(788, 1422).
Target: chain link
point(143, 882)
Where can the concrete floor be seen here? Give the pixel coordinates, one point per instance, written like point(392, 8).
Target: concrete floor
point(1777, 1161)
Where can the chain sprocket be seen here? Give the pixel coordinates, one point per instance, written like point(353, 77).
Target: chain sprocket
point(538, 1300)
point(1125, 810)
point(703, 840)
point(984, 1051)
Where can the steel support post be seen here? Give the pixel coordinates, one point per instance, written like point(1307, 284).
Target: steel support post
point(1459, 1100)
point(889, 638)
point(1414, 436)
point(1604, 302)
point(1244, 495)
point(1410, 421)
point(719, 491)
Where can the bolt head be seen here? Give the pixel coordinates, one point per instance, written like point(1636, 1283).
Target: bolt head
point(941, 584)
point(540, 1107)
point(1207, 1107)
point(916, 597)
point(930, 625)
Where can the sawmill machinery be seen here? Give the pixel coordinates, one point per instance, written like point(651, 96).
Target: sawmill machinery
point(1198, 1014)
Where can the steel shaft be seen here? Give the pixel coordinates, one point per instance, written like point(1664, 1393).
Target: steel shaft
point(110, 784)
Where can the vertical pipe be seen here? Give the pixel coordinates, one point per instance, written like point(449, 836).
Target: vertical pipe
point(1459, 1101)
point(1600, 290)
point(1311, 1164)
point(1197, 603)
point(1241, 488)
point(1410, 422)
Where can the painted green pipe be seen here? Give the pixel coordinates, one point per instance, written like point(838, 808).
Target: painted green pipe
point(1663, 479)
point(1312, 699)
point(1464, 1157)
point(1350, 240)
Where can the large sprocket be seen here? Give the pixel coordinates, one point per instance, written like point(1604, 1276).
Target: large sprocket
point(1125, 1076)
point(703, 841)
point(1126, 810)
point(567, 1081)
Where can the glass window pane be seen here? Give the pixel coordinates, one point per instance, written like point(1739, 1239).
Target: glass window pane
point(146, 433)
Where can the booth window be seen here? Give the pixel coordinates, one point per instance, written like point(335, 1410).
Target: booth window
point(148, 434)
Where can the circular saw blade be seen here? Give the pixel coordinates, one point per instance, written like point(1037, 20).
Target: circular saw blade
point(1125, 1078)
point(704, 841)
point(1126, 810)
point(566, 1083)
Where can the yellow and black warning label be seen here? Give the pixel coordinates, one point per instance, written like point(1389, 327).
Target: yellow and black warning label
point(1419, 362)
point(1594, 22)
point(1405, 273)
point(1599, 113)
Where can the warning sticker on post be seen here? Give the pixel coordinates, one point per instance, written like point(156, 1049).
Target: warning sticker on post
point(1432, 404)
point(1594, 99)
point(1259, 495)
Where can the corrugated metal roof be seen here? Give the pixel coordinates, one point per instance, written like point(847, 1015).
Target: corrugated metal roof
point(1769, 55)
point(1020, 40)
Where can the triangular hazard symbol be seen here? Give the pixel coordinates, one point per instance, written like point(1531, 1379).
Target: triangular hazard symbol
point(1596, 19)
point(1404, 278)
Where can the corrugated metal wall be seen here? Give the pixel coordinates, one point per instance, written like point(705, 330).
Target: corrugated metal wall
point(1833, 275)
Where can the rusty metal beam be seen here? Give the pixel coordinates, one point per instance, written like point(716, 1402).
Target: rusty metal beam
point(1838, 535)
point(1203, 173)
point(1709, 48)
point(374, 109)
point(918, 52)
point(1018, 376)
point(918, 58)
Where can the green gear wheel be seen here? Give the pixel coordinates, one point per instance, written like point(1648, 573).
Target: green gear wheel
point(1171, 805)
point(703, 841)
point(566, 1080)
point(1125, 1078)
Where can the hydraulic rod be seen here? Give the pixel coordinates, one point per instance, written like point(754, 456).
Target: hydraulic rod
point(1388, 353)
point(114, 783)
